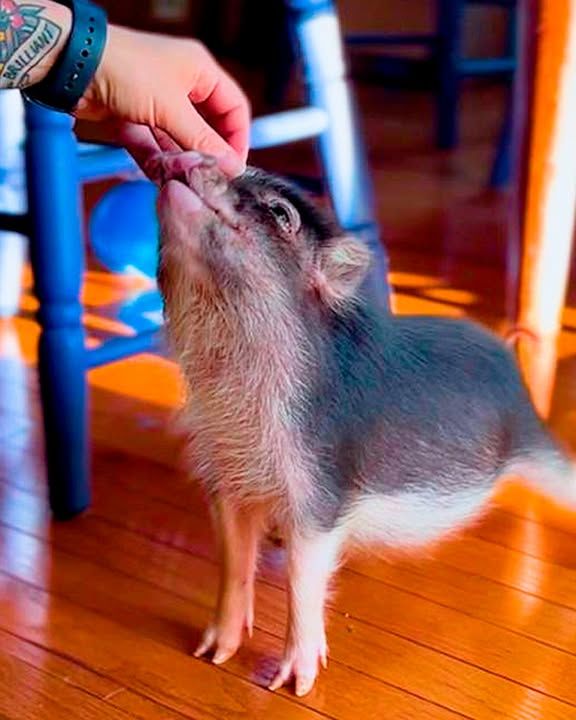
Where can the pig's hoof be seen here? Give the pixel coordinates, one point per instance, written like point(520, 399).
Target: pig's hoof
point(224, 643)
point(302, 665)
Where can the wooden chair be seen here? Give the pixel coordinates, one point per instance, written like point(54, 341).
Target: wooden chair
point(545, 116)
point(446, 54)
point(452, 66)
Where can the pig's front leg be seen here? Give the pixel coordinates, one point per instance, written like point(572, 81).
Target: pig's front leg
point(312, 558)
point(239, 530)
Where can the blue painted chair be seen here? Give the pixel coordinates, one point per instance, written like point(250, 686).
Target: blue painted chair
point(445, 47)
point(56, 167)
point(453, 66)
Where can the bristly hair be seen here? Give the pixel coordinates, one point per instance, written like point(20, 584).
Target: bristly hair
point(321, 221)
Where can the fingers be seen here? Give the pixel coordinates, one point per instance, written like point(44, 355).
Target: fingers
point(189, 129)
point(139, 141)
point(222, 102)
point(227, 110)
point(167, 165)
point(213, 117)
point(152, 149)
point(165, 142)
point(146, 145)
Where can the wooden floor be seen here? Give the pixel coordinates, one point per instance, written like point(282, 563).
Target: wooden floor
point(98, 616)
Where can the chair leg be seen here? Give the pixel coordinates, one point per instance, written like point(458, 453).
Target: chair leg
point(502, 165)
point(58, 259)
point(282, 60)
point(342, 151)
point(549, 194)
point(449, 50)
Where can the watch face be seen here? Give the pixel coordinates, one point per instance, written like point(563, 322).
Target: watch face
point(25, 35)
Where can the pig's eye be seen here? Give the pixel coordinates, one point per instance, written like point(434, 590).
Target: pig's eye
point(285, 215)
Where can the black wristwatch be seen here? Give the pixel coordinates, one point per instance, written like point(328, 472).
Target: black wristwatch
point(69, 77)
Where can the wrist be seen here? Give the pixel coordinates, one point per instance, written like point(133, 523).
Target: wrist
point(74, 68)
point(99, 91)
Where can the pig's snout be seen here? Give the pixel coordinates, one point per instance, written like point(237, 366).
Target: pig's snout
point(199, 172)
point(206, 183)
point(204, 180)
point(166, 166)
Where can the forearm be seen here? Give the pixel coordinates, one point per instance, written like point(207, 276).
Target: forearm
point(32, 34)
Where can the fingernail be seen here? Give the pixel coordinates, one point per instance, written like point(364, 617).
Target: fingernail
point(231, 164)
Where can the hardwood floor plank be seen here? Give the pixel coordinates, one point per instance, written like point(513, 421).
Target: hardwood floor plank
point(512, 568)
point(58, 667)
point(76, 675)
point(27, 693)
point(381, 655)
point(530, 537)
point(469, 553)
point(170, 676)
point(353, 643)
point(487, 599)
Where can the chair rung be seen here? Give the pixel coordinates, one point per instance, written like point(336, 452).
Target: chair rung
point(101, 162)
point(14, 222)
point(501, 3)
point(120, 348)
point(287, 127)
point(360, 39)
point(487, 66)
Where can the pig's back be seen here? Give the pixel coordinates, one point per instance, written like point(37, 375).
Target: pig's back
point(411, 400)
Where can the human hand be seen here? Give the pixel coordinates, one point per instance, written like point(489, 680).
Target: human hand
point(167, 93)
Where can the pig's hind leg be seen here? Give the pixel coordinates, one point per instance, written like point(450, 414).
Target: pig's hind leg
point(312, 558)
point(239, 530)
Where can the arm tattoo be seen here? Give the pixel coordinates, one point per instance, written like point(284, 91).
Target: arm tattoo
point(25, 39)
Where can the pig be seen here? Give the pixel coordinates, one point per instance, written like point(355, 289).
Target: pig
point(311, 410)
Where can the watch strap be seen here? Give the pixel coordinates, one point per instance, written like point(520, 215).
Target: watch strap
point(69, 77)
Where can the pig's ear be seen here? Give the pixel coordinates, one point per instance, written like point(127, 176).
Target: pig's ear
point(342, 266)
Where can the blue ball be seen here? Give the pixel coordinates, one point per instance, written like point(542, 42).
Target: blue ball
point(124, 230)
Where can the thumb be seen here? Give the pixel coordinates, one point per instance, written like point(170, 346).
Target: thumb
point(188, 128)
